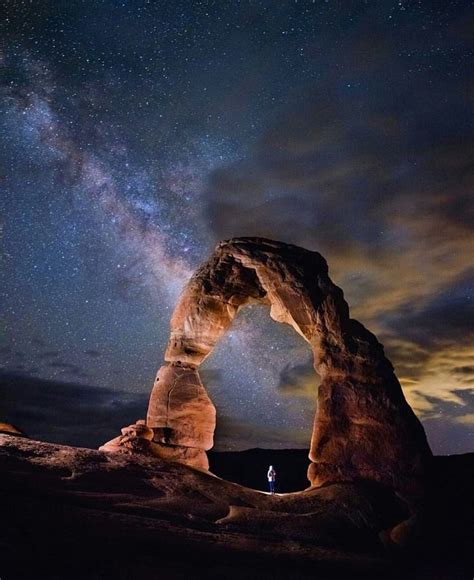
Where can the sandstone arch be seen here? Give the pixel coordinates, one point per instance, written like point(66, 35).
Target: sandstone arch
point(363, 427)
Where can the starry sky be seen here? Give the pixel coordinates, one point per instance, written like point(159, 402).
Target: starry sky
point(137, 134)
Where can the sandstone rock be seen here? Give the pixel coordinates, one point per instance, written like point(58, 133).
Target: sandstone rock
point(135, 438)
point(181, 415)
point(407, 533)
point(9, 429)
point(189, 455)
point(71, 512)
point(180, 411)
point(72, 494)
point(363, 429)
point(320, 528)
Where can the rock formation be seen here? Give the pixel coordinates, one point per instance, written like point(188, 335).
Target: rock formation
point(135, 438)
point(9, 429)
point(363, 429)
point(182, 415)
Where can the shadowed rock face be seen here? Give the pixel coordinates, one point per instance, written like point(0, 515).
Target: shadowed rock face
point(363, 427)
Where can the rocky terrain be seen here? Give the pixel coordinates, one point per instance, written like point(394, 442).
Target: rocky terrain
point(70, 512)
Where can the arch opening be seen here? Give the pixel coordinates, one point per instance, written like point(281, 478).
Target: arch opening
point(261, 380)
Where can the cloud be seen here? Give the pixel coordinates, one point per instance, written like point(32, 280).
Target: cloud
point(93, 353)
point(67, 413)
point(382, 187)
point(445, 318)
point(300, 380)
point(49, 354)
point(466, 372)
point(450, 426)
point(466, 419)
point(62, 365)
point(68, 369)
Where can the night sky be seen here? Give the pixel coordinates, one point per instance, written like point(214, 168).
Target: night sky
point(137, 134)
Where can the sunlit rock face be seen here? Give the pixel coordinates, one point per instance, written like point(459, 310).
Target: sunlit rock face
point(363, 428)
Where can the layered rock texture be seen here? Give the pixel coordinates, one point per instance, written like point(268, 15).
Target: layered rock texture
point(363, 429)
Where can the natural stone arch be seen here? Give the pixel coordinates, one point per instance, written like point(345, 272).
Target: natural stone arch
point(363, 427)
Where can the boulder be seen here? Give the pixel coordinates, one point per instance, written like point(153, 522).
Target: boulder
point(135, 438)
point(9, 429)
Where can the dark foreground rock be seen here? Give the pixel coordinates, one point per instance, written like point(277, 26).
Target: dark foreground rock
point(79, 513)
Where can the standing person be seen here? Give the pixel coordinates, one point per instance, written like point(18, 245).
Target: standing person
point(271, 476)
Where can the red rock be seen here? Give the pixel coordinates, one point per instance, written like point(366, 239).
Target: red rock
point(135, 438)
point(363, 429)
point(9, 429)
point(180, 411)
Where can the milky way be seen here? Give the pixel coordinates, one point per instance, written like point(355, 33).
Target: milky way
point(138, 134)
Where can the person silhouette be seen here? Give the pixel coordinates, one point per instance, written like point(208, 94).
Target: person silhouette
point(271, 476)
